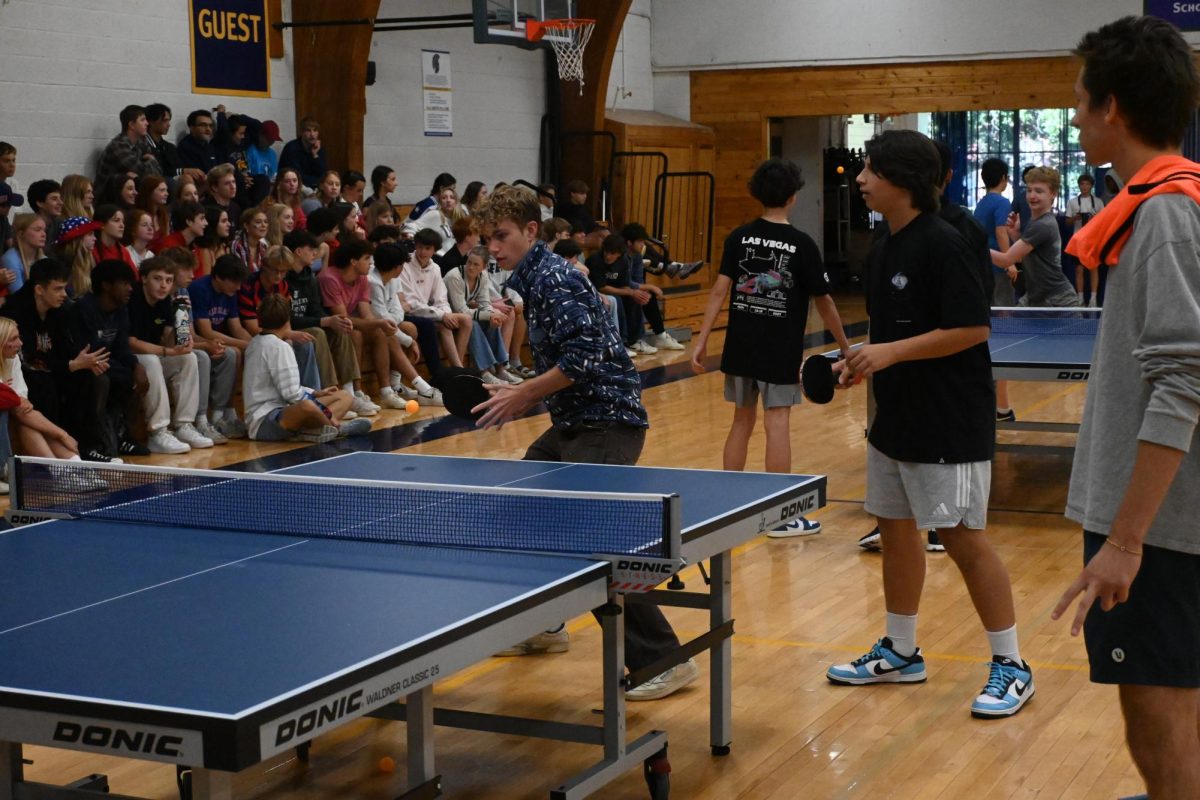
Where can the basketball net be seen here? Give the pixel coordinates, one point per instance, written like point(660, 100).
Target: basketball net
point(569, 38)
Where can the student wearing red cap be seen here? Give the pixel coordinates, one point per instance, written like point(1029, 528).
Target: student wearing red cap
point(261, 157)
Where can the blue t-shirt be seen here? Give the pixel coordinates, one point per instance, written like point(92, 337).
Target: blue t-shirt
point(992, 212)
point(209, 304)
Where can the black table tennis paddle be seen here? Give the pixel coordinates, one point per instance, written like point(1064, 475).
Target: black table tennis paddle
point(816, 379)
point(462, 390)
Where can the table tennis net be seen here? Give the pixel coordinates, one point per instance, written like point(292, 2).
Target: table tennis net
point(1039, 321)
point(376, 511)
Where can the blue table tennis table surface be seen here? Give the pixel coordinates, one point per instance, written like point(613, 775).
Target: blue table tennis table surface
point(1045, 348)
point(216, 623)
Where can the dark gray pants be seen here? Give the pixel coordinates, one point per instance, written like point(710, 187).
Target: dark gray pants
point(648, 635)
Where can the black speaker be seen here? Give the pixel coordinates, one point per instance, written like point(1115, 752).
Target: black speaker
point(370, 73)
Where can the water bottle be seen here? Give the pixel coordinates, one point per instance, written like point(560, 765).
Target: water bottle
point(183, 325)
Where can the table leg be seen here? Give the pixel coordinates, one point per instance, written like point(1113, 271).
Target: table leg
point(420, 737)
point(12, 769)
point(211, 784)
point(612, 625)
point(720, 695)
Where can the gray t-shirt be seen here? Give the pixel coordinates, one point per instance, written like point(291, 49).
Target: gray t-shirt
point(1145, 379)
point(1045, 284)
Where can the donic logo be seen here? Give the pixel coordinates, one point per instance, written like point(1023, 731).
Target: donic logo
point(318, 717)
point(106, 738)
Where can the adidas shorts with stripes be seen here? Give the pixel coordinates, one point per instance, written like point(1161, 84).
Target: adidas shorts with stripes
point(935, 495)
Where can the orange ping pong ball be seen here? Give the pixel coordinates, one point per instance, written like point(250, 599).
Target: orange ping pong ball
point(387, 764)
point(412, 406)
point(841, 170)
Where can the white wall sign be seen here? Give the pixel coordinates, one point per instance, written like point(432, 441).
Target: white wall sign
point(435, 83)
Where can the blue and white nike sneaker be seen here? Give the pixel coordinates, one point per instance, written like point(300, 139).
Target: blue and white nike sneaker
point(881, 664)
point(1009, 686)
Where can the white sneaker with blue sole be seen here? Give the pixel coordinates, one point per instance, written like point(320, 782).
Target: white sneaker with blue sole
point(881, 664)
point(1009, 687)
point(797, 527)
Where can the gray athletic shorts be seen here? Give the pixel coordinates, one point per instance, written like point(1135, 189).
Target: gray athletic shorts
point(935, 495)
point(744, 392)
point(270, 429)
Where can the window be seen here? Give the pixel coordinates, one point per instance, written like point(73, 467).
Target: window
point(1041, 137)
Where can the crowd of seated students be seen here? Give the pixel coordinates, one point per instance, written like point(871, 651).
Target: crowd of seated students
point(133, 305)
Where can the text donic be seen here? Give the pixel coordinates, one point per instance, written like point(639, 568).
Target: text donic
point(132, 741)
point(309, 721)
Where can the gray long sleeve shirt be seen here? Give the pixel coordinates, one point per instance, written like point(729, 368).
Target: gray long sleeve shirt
point(1145, 378)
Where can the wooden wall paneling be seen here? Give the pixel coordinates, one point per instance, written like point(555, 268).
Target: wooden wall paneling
point(274, 35)
point(737, 105)
point(330, 66)
point(585, 112)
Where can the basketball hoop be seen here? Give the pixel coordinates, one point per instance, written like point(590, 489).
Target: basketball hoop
point(569, 38)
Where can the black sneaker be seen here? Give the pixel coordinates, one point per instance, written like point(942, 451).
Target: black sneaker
point(1006, 416)
point(99, 458)
point(686, 270)
point(872, 542)
point(128, 447)
point(934, 543)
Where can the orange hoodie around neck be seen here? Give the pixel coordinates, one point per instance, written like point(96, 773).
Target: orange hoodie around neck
point(1102, 239)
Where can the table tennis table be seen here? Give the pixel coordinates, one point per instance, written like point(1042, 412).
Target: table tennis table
point(1034, 344)
point(218, 619)
point(1042, 344)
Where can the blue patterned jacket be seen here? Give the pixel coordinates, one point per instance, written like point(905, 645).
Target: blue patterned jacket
point(569, 328)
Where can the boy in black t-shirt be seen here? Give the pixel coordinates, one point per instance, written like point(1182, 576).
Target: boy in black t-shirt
point(172, 371)
point(609, 270)
point(933, 435)
point(772, 270)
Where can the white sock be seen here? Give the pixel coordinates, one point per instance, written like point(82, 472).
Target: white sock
point(421, 385)
point(74, 458)
point(217, 413)
point(902, 630)
point(386, 391)
point(348, 387)
point(1004, 643)
point(1004, 410)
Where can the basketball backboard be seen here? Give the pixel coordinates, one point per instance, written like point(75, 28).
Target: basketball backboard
point(503, 21)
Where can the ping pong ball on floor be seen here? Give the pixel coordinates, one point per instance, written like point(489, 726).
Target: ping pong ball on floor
point(412, 406)
point(387, 764)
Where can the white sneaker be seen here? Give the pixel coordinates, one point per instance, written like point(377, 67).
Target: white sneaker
point(325, 433)
point(508, 377)
point(489, 378)
point(363, 406)
point(407, 392)
point(665, 341)
point(187, 433)
point(667, 683)
point(644, 347)
point(632, 353)
point(231, 427)
point(205, 428)
point(432, 398)
point(555, 641)
point(349, 415)
point(163, 442)
point(389, 399)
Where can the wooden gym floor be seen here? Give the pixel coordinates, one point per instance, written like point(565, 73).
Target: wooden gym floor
point(800, 605)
